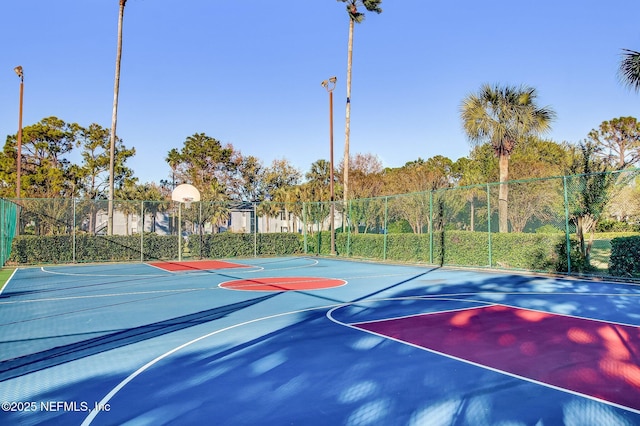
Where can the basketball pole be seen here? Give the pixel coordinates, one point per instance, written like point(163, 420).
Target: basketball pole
point(330, 85)
point(179, 231)
point(183, 194)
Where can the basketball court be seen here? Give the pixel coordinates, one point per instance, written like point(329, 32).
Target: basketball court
point(315, 341)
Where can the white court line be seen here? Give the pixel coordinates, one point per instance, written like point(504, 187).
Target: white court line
point(516, 376)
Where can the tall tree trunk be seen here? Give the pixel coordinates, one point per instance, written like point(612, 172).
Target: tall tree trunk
point(347, 128)
point(580, 233)
point(473, 214)
point(114, 118)
point(585, 224)
point(503, 193)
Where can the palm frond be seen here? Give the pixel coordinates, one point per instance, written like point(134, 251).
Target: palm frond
point(629, 71)
point(503, 116)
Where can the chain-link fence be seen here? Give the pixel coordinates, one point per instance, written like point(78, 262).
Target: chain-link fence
point(8, 223)
point(561, 224)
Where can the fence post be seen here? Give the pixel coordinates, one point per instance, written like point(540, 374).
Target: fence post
point(179, 231)
point(348, 223)
point(384, 250)
point(200, 228)
point(489, 223)
point(2, 236)
point(304, 228)
point(566, 223)
point(73, 233)
point(141, 231)
point(255, 230)
point(430, 229)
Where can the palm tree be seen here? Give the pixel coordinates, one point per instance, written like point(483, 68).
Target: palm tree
point(114, 118)
point(503, 116)
point(629, 70)
point(354, 17)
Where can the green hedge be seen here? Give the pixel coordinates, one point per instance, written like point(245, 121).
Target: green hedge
point(29, 249)
point(625, 257)
point(229, 244)
point(532, 252)
point(117, 248)
point(408, 247)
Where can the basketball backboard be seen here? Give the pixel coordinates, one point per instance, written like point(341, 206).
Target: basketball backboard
point(185, 193)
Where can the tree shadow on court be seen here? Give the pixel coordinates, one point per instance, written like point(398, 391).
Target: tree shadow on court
point(314, 371)
point(592, 299)
point(26, 364)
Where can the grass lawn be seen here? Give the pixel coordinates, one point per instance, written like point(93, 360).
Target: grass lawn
point(5, 273)
point(600, 253)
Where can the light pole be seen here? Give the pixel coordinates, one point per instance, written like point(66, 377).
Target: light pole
point(330, 85)
point(114, 119)
point(18, 71)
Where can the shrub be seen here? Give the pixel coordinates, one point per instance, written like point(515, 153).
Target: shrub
point(230, 244)
point(535, 252)
point(30, 249)
point(625, 257)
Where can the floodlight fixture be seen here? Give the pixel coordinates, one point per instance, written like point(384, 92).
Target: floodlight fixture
point(329, 84)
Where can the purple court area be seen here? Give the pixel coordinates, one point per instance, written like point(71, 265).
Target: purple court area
point(592, 358)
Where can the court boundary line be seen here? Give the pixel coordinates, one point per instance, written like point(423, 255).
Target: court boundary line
point(516, 376)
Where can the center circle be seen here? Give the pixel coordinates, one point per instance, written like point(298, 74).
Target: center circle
point(283, 284)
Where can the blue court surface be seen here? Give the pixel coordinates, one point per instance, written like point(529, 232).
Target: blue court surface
point(315, 341)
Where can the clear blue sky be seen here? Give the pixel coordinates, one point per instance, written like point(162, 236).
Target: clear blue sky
point(248, 72)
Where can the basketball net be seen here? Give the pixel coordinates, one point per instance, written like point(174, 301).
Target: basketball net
point(187, 202)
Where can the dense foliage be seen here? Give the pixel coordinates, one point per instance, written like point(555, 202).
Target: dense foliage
point(531, 252)
point(625, 257)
